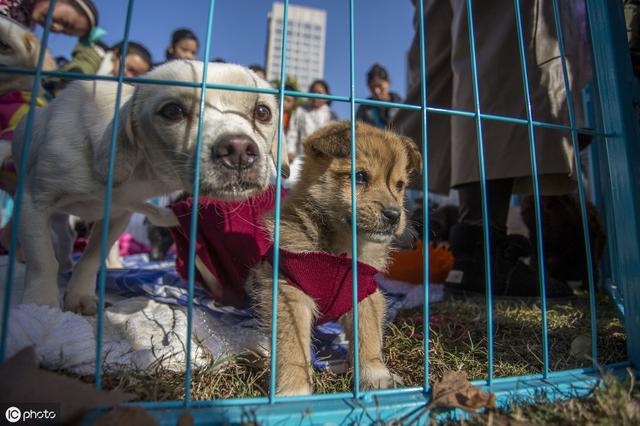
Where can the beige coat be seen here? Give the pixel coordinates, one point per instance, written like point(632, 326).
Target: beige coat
point(452, 152)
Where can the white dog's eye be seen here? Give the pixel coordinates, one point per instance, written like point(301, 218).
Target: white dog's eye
point(173, 112)
point(262, 113)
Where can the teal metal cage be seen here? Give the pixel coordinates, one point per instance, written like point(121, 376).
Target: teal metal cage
point(617, 185)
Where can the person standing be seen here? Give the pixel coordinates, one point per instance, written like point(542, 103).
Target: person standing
point(378, 82)
point(452, 139)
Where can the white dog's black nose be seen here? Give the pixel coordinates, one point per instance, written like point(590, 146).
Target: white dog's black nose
point(391, 215)
point(236, 151)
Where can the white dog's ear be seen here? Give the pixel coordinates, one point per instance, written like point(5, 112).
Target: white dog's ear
point(285, 158)
point(127, 117)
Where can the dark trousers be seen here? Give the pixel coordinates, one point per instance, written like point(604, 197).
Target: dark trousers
point(498, 200)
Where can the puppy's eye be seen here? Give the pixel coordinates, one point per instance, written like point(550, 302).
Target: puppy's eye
point(400, 185)
point(262, 113)
point(361, 178)
point(173, 112)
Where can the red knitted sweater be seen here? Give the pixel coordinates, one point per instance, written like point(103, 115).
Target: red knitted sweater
point(231, 240)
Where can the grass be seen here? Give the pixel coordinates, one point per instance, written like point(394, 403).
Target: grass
point(616, 402)
point(458, 338)
point(457, 341)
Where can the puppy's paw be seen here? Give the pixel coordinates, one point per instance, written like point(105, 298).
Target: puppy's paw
point(82, 304)
point(376, 377)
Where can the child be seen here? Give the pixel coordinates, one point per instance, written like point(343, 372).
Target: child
point(184, 45)
point(289, 107)
point(308, 118)
point(71, 17)
point(138, 60)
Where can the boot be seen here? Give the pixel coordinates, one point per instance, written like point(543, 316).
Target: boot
point(509, 275)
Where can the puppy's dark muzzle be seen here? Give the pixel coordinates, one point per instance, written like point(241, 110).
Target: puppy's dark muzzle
point(238, 152)
point(391, 216)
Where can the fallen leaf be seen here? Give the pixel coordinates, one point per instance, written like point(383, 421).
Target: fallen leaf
point(186, 419)
point(632, 410)
point(455, 391)
point(130, 416)
point(581, 346)
point(23, 382)
point(497, 419)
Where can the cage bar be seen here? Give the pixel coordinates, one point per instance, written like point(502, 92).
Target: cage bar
point(276, 229)
point(483, 189)
point(299, 94)
point(104, 250)
point(619, 132)
point(355, 342)
point(581, 193)
point(615, 82)
point(425, 203)
point(194, 209)
point(536, 191)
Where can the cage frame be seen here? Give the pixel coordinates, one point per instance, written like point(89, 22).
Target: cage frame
point(617, 135)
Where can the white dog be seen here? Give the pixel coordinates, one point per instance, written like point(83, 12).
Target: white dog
point(156, 148)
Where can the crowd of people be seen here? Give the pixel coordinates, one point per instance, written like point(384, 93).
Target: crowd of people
point(90, 55)
point(452, 151)
point(79, 18)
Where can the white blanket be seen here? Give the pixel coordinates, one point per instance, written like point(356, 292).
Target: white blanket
point(146, 324)
point(138, 333)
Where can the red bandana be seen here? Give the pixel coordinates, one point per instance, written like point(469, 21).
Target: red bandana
point(231, 241)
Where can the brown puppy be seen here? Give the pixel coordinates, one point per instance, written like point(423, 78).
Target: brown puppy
point(316, 217)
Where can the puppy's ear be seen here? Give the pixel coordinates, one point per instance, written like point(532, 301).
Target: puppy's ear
point(284, 158)
point(333, 140)
point(413, 154)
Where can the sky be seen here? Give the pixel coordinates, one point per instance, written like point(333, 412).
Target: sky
point(383, 31)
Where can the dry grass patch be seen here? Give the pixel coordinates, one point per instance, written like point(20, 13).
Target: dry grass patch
point(457, 340)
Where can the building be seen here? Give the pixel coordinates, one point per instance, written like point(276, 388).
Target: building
point(305, 43)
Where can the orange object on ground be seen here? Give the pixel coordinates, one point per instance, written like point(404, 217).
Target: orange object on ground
point(407, 265)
